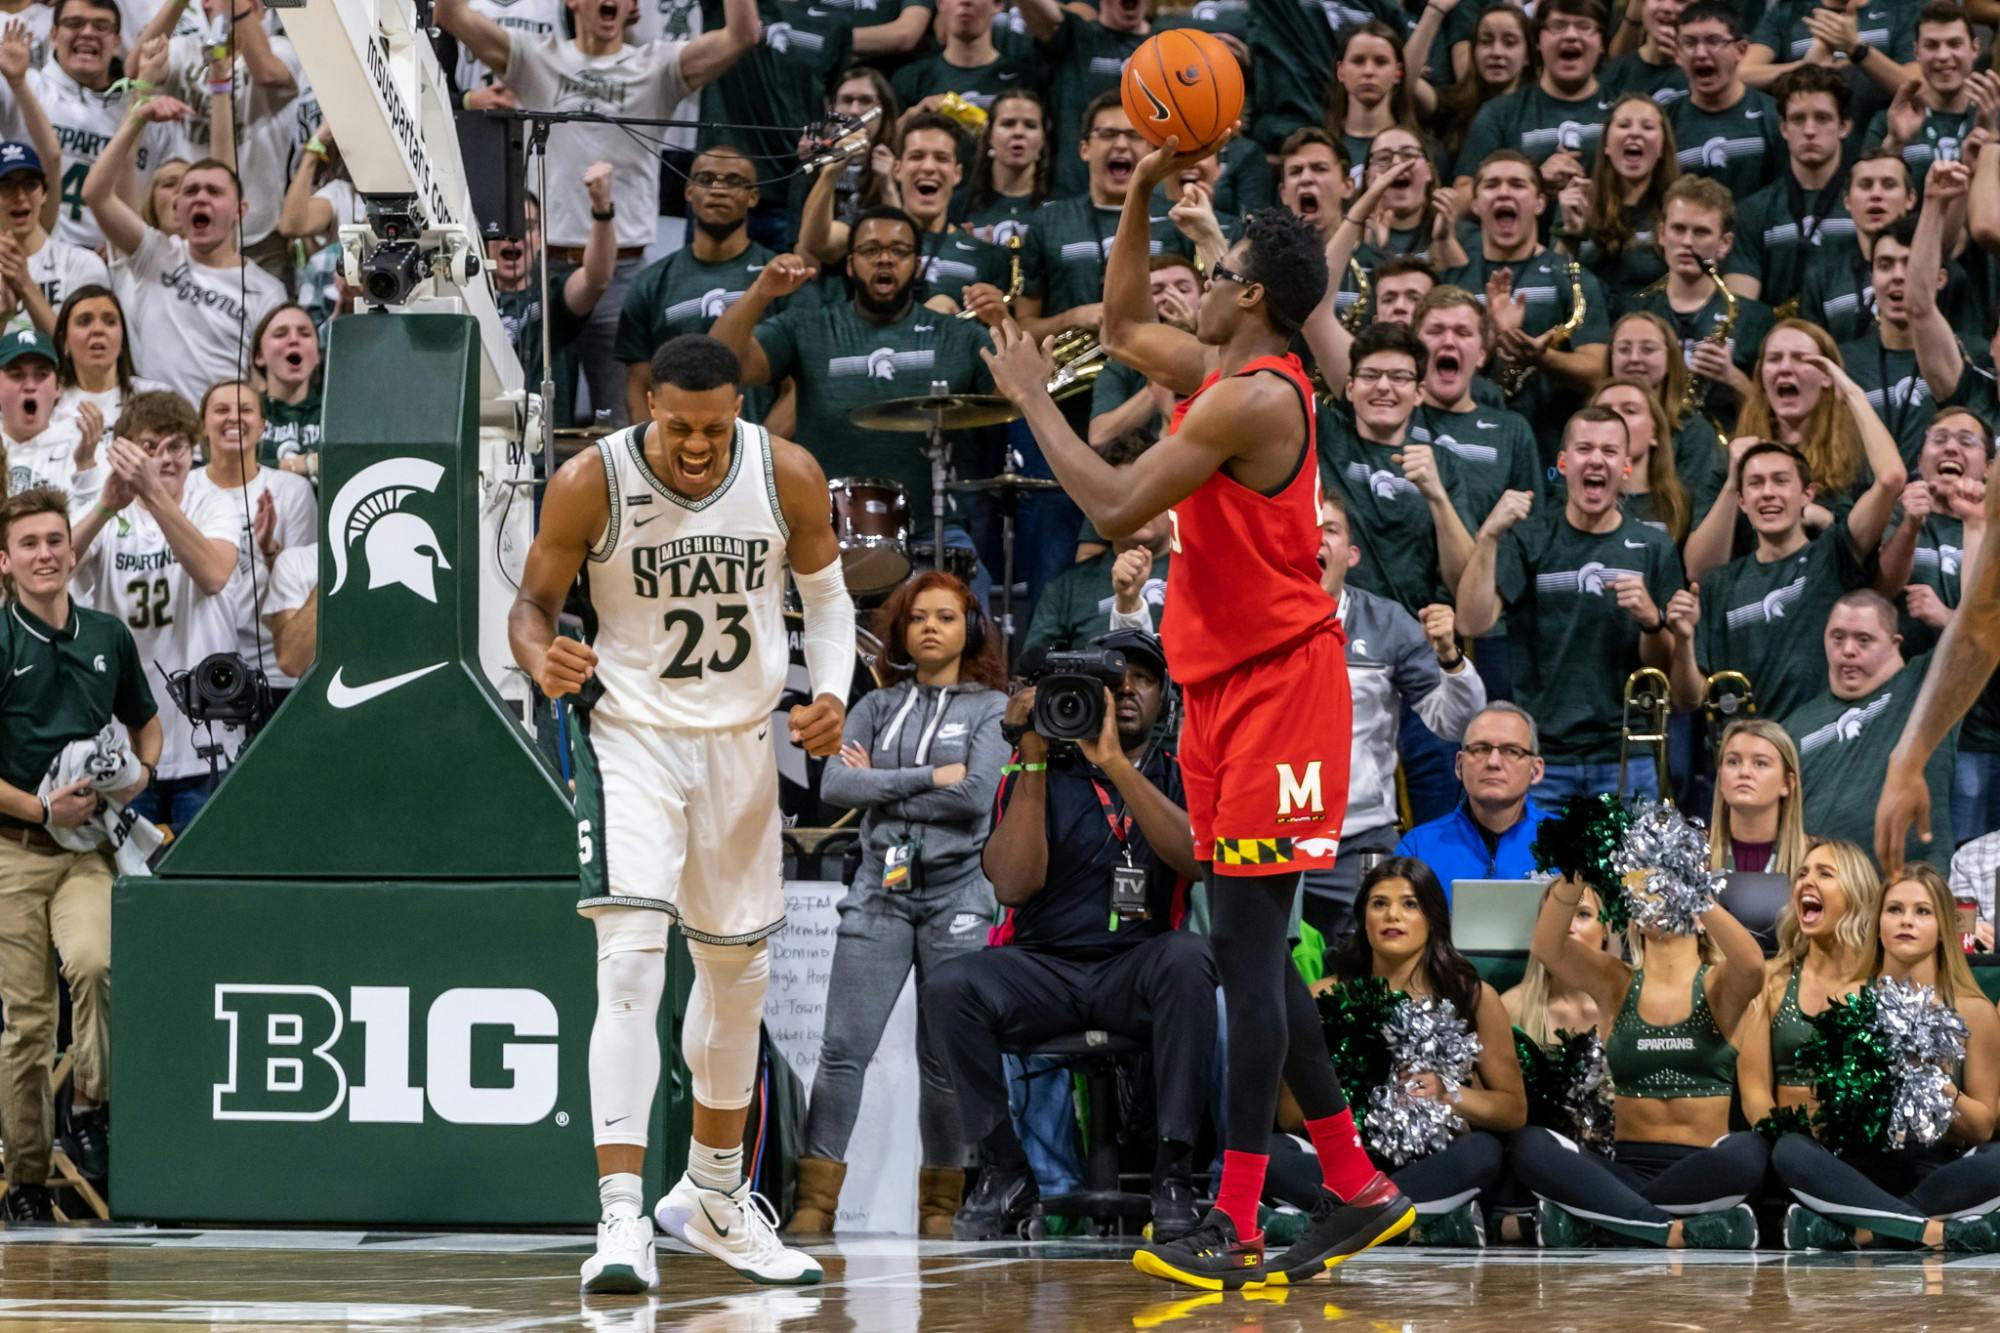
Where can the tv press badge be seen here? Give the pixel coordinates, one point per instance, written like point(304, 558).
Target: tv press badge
point(1128, 893)
point(899, 864)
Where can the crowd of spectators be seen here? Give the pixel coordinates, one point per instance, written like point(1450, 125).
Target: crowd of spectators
point(1663, 341)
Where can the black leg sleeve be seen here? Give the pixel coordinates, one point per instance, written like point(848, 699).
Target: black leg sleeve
point(1586, 1185)
point(1837, 1191)
point(1464, 1171)
point(1712, 1179)
point(1966, 1187)
point(1273, 1026)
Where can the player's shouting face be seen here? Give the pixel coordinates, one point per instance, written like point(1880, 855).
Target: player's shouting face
point(698, 432)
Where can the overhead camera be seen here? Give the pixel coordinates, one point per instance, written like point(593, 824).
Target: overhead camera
point(223, 688)
point(401, 255)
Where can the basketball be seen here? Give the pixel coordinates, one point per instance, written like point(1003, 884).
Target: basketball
point(1183, 82)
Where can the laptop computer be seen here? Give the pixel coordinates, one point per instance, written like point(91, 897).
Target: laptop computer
point(1494, 915)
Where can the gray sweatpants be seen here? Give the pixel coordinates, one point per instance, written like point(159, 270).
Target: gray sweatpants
point(882, 935)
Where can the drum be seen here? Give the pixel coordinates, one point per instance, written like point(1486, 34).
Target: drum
point(871, 518)
point(798, 772)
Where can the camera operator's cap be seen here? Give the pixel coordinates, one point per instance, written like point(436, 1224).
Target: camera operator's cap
point(26, 342)
point(1138, 646)
point(16, 156)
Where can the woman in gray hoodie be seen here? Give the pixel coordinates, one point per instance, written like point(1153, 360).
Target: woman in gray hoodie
point(921, 760)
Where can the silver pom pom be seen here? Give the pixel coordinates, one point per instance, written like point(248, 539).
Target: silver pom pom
point(1671, 851)
point(1590, 1099)
point(1424, 1037)
point(1923, 1036)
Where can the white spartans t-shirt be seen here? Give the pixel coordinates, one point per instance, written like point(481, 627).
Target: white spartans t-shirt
point(525, 21)
point(59, 268)
point(645, 81)
point(189, 325)
point(84, 122)
point(297, 524)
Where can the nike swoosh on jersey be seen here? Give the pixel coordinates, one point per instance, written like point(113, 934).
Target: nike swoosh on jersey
point(1631, 545)
point(342, 695)
point(22, 671)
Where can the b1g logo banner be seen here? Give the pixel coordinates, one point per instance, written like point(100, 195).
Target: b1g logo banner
point(490, 1055)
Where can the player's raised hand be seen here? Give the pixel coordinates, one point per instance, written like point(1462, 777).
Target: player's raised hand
point(816, 726)
point(1020, 369)
point(1905, 803)
point(565, 667)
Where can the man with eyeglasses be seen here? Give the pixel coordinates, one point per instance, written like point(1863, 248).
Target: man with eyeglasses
point(596, 71)
point(1395, 661)
point(1582, 587)
point(158, 557)
point(1558, 120)
point(1083, 59)
point(75, 92)
point(1490, 834)
point(1400, 214)
point(686, 291)
point(1723, 128)
point(879, 343)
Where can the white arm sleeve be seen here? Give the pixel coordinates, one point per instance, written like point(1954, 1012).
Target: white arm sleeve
point(829, 635)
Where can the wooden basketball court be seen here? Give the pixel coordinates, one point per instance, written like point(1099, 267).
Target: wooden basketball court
point(112, 1277)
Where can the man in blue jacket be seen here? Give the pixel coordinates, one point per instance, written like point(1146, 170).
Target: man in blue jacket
point(1488, 835)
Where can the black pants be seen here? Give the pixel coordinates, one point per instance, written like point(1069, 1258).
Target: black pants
point(1891, 1194)
point(1639, 1190)
point(1467, 1170)
point(1162, 991)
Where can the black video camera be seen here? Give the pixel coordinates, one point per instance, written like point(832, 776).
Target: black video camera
point(1069, 692)
point(224, 688)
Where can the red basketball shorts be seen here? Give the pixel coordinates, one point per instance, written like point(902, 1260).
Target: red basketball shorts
point(1264, 751)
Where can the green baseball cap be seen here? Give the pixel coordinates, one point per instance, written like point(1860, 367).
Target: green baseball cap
point(26, 342)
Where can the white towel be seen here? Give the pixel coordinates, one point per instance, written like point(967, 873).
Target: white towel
point(107, 761)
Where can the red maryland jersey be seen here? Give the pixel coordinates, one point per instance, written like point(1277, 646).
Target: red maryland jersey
point(1246, 565)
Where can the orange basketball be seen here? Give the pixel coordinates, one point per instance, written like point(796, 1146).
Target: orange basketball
point(1186, 83)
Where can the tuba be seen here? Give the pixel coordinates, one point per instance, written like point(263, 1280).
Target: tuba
point(1357, 314)
point(1512, 378)
point(1079, 359)
point(1697, 388)
point(1013, 274)
point(1727, 698)
point(1648, 703)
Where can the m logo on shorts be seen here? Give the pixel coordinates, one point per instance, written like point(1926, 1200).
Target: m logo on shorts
point(1300, 794)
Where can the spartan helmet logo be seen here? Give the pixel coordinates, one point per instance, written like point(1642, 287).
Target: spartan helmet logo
point(1947, 148)
point(1715, 153)
point(714, 303)
point(1948, 560)
point(1848, 728)
point(778, 36)
point(1569, 135)
point(882, 364)
point(1774, 605)
point(401, 548)
point(1590, 578)
point(1384, 485)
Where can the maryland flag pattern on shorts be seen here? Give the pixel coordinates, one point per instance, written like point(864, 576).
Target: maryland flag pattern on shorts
point(1253, 851)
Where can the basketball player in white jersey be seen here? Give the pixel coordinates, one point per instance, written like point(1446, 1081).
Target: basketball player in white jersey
point(685, 523)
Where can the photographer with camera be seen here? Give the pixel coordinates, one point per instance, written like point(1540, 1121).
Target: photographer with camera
point(1091, 855)
point(159, 560)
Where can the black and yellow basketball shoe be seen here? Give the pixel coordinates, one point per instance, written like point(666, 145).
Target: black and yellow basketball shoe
point(1210, 1258)
point(1339, 1229)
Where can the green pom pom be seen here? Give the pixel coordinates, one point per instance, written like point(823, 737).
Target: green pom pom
point(1851, 1074)
point(1784, 1120)
point(1581, 843)
point(1352, 1014)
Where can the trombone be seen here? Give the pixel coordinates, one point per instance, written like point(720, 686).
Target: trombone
point(1647, 706)
point(1726, 699)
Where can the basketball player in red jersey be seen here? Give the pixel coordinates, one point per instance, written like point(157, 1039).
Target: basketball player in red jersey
point(1254, 642)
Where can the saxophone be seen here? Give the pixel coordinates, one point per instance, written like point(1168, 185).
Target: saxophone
point(1512, 377)
point(1357, 314)
point(1013, 275)
point(1696, 396)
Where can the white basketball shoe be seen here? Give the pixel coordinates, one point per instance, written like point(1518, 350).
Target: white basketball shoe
point(624, 1262)
point(740, 1228)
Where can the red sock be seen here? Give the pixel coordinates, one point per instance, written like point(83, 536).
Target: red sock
point(1342, 1164)
point(1242, 1185)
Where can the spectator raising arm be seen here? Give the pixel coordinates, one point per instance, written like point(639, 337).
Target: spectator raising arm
point(582, 288)
point(115, 215)
point(1478, 587)
point(488, 41)
point(1869, 518)
point(899, 36)
point(705, 58)
point(738, 325)
point(252, 41)
point(305, 215)
point(1939, 359)
point(15, 50)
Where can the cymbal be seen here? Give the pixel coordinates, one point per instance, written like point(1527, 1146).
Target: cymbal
point(1008, 482)
point(950, 411)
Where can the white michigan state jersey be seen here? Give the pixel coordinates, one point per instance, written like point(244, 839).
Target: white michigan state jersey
point(689, 594)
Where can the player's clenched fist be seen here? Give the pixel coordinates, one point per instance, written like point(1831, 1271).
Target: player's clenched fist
point(816, 726)
point(565, 667)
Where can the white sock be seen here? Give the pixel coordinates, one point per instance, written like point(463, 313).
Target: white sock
point(719, 1169)
point(622, 1193)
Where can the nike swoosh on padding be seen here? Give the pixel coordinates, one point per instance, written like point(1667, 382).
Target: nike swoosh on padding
point(342, 695)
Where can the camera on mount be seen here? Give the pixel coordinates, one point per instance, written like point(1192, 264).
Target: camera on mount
point(223, 688)
point(392, 270)
point(1069, 692)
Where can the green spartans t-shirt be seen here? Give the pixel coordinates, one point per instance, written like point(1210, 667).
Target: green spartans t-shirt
point(1844, 747)
point(1766, 619)
point(1539, 125)
point(1491, 451)
point(1888, 26)
point(1076, 606)
point(680, 295)
point(1082, 58)
point(1897, 390)
point(954, 261)
point(1938, 141)
point(1936, 564)
point(59, 685)
point(1782, 226)
point(1067, 243)
point(1388, 519)
point(1292, 48)
point(840, 361)
point(1246, 183)
point(1630, 73)
point(1013, 70)
point(1114, 387)
point(782, 82)
point(1570, 643)
point(1739, 146)
point(1753, 320)
point(290, 429)
point(1550, 292)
